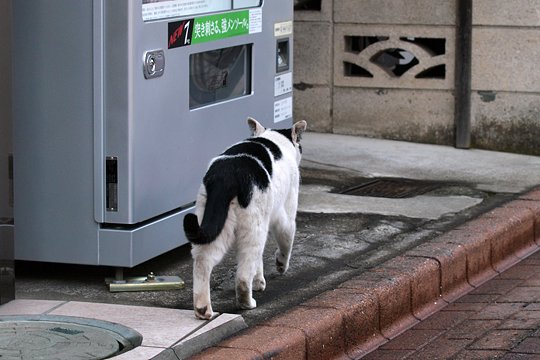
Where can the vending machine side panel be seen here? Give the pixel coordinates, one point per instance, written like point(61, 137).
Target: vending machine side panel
point(53, 131)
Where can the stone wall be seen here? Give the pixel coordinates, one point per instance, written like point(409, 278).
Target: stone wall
point(313, 49)
point(349, 77)
point(505, 110)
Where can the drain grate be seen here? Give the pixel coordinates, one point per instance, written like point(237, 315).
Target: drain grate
point(60, 337)
point(394, 188)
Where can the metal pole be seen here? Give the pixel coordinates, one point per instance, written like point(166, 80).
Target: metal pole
point(463, 74)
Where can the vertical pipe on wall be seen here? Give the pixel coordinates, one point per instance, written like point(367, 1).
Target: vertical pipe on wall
point(463, 74)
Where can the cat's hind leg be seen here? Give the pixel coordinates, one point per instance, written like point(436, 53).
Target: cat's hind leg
point(205, 257)
point(259, 283)
point(251, 238)
point(204, 260)
point(283, 229)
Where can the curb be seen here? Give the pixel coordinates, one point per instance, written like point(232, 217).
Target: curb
point(378, 305)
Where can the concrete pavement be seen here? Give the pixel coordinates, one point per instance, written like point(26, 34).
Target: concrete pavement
point(487, 170)
point(368, 310)
point(364, 268)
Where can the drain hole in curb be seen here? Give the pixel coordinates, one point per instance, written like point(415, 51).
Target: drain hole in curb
point(393, 188)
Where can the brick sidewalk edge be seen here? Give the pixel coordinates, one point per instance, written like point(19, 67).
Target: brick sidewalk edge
point(369, 310)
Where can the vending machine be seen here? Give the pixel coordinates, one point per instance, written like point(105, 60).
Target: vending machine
point(118, 107)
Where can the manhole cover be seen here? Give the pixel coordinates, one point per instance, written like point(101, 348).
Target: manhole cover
point(56, 337)
point(391, 188)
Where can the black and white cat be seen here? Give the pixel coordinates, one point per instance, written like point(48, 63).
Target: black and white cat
point(249, 193)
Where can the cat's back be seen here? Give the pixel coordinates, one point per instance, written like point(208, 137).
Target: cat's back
point(257, 161)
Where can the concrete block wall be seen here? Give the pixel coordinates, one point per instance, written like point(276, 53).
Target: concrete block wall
point(345, 84)
point(313, 49)
point(505, 110)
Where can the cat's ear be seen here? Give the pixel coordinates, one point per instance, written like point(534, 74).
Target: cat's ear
point(298, 129)
point(255, 127)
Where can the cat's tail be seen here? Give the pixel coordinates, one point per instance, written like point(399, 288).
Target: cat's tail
point(192, 229)
point(215, 215)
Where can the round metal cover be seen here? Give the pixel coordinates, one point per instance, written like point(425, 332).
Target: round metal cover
point(54, 337)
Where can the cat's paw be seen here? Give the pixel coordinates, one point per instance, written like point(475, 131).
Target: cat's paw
point(244, 300)
point(204, 313)
point(247, 304)
point(259, 284)
point(282, 263)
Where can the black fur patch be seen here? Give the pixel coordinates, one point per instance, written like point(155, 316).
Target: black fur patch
point(191, 227)
point(256, 150)
point(285, 132)
point(249, 165)
point(236, 176)
point(270, 145)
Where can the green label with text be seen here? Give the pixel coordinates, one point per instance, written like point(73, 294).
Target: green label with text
point(220, 26)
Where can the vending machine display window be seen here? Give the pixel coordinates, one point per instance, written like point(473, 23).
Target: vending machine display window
point(219, 75)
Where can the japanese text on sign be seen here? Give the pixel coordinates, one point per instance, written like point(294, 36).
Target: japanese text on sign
point(214, 27)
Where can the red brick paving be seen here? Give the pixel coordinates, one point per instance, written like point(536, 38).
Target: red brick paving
point(471, 329)
point(498, 320)
point(479, 355)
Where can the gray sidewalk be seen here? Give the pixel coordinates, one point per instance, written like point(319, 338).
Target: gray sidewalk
point(339, 236)
point(484, 170)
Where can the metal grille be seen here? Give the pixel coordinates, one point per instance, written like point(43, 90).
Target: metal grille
point(391, 188)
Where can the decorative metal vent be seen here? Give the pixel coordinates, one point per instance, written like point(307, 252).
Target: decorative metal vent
point(395, 57)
